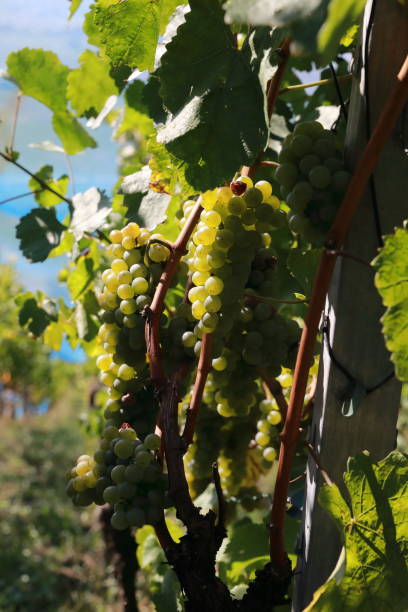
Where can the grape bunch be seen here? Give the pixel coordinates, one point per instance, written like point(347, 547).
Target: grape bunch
point(125, 473)
point(267, 438)
point(228, 235)
point(313, 179)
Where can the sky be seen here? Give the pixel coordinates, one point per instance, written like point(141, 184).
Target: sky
point(42, 24)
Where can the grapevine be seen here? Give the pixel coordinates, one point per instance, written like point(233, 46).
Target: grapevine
point(198, 289)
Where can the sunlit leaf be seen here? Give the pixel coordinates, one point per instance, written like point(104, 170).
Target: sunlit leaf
point(90, 85)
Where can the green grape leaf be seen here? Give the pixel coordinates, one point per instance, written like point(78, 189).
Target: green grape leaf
point(46, 198)
point(53, 336)
point(213, 110)
point(133, 121)
point(129, 31)
point(391, 281)
point(149, 551)
point(303, 264)
point(35, 311)
point(303, 18)
point(342, 15)
point(146, 207)
point(246, 550)
point(73, 136)
point(145, 98)
point(75, 4)
point(41, 75)
point(90, 85)
point(94, 35)
point(165, 599)
point(166, 10)
point(375, 533)
point(90, 211)
point(260, 48)
point(66, 244)
point(81, 276)
point(39, 232)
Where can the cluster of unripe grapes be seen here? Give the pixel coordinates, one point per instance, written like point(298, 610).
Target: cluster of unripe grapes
point(231, 229)
point(267, 434)
point(125, 473)
point(313, 179)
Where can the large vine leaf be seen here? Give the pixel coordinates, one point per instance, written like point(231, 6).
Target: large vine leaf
point(39, 232)
point(375, 533)
point(90, 85)
point(391, 281)
point(41, 75)
point(129, 30)
point(342, 14)
point(303, 17)
point(47, 198)
point(73, 136)
point(215, 98)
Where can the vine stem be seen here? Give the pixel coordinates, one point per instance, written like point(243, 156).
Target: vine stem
point(343, 77)
point(335, 238)
point(271, 96)
point(178, 249)
point(203, 368)
point(39, 180)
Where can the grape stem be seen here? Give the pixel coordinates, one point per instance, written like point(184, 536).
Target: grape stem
point(343, 77)
point(335, 238)
point(269, 163)
point(271, 300)
point(272, 93)
point(39, 180)
point(164, 243)
point(155, 310)
point(21, 195)
point(273, 388)
point(316, 458)
point(203, 368)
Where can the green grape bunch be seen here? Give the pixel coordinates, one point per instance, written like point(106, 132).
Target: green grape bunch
point(312, 179)
point(125, 473)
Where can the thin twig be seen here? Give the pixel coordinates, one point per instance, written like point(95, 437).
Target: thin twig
point(343, 77)
point(269, 163)
point(39, 180)
point(271, 300)
point(15, 119)
point(21, 195)
point(271, 97)
point(297, 478)
point(203, 368)
point(336, 80)
point(273, 387)
point(336, 236)
point(316, 457)
point(70, 173)
point(341, 253)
